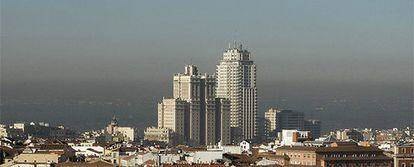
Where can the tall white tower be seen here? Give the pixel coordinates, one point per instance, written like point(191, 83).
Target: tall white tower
point(236, 80)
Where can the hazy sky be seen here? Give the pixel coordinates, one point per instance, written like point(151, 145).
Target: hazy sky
point(300, 40)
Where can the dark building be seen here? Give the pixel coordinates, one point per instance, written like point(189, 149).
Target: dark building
point(277, 120)
point(314, 126)
point(290, 120)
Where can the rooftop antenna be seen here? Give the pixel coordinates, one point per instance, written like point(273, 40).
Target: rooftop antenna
point(235, 44)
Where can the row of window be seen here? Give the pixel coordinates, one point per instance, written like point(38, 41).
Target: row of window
point(405, 165)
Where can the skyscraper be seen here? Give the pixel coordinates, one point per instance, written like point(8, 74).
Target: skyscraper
point(198, 91)
point(236, 80)
point(202, 118)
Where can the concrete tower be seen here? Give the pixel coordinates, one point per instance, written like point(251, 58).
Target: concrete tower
point(203, 117)
point(236, 80)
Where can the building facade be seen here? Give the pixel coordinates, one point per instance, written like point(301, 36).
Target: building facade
point(198, 91)
point(314, 127)
point(271, 121)
point(236, 80)
point(291, 120)
point(294, 137)
point(171, 115)
point(346, 154)
point(158, 134)
point(119, 133)
point(223, 134)
point(349, 134)
point(404, 155)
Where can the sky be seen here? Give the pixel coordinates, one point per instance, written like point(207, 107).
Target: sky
point(339, 41)
point(354, 57)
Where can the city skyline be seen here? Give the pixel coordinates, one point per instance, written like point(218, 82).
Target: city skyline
point(206, 83)
point(348, 59)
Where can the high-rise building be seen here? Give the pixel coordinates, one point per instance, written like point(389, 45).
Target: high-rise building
point(171, 115)
point(290, 120)
point(236, 80)
point(277, 120)
point(314, 126)
point(198, 91)
point(203, 112)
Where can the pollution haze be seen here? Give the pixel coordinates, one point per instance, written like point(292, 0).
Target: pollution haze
point(77, 63)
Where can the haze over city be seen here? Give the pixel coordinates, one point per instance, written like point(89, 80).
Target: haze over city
point(80, 62)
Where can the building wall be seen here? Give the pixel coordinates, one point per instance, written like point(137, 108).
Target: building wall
point(404, 154)
point(128, 132)
point(299, 157)
point(223, 121)
point(157, 134)
point(288, 119)
point(171, 115)
point(271, 121)
point(37, 158)
point(314, 126)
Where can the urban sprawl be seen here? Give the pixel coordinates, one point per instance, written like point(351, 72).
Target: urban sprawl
point(210, 120)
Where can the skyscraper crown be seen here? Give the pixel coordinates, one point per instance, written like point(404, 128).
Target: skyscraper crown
point(236, 53)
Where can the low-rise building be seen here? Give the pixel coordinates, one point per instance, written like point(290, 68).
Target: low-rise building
point(349, 134)
point(118, 133)
point(404, 155)
point(96, 163)
point(294, 137)
point(88, 151)
point(205, 157)
point(337, 154)
point(158, 134)
point(35, 160)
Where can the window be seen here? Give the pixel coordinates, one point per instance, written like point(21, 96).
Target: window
point(412, 164)
point(403, 164)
